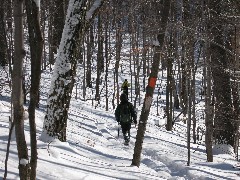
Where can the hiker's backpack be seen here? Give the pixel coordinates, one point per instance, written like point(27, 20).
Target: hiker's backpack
point(125, 113)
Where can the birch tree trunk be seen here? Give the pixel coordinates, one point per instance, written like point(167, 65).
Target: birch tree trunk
point(63, 78)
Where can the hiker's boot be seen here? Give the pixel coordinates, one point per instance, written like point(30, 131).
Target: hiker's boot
point(126, 137)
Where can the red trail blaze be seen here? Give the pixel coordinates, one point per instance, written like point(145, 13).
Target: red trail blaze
point(152, 82)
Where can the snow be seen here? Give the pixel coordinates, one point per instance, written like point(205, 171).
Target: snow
point(62, 64)
point(155, 43)
point(37, 3)
point(90, 12)
point(24, 162)
point(94, 151)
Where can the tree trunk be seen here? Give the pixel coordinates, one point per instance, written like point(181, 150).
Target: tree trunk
point(189, 110)
point(193, 103)
point(50, 7)
point(17, 93)
point(36, 47)
point(58, 23)
point(107, 44)
point(100, 59)
point(169, 95)
point(144, 57)
point(90, 45)
point(223, 121)
point(150, 87)
point(3, 39)
point(237, 44)
point(169, 86)
point(43, 26)
point(235, 88)
point(118, 55)
point(224, 114)
point(183, 94)
point(55, 122)
point(8, 147)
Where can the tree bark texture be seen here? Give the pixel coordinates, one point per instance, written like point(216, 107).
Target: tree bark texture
point(118, 55)
point(150, 87)
point(3, 38)
point(58, 23)
point(17, 93)
point(107, 48)
point(100, 60)
point(223, 121)
point(90, 45)
point(36, 48)
point(64, 70)
point(55, 122)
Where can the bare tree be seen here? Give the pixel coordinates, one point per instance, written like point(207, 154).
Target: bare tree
point(17, 92)
point(100, 59)
point(169, 86)
point(3, 38)
point(90, 45)
point(55, 121)
point(36, 47)
point(107, 48)
point(56, 23)
point(150, 87)
point(207, 86)
point(118, 47)
point(221, 60)
point(208, 107)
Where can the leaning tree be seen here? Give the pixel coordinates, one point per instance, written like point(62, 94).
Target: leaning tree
point(62, 82)
point(151, 86)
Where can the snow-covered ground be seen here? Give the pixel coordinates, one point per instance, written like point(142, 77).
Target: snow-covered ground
point(94, 151)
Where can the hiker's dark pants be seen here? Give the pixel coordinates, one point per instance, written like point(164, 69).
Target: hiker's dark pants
point(126, 130)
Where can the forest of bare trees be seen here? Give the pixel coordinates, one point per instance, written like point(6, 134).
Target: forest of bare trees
point(180, 36)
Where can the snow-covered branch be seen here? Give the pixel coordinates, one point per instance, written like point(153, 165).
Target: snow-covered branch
point(92, 10)
point(37, 3)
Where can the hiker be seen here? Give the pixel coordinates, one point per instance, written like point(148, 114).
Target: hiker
point(125, 115)
point(125, 86)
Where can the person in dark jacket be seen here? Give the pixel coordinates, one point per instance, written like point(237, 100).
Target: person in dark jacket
point(125, 124)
